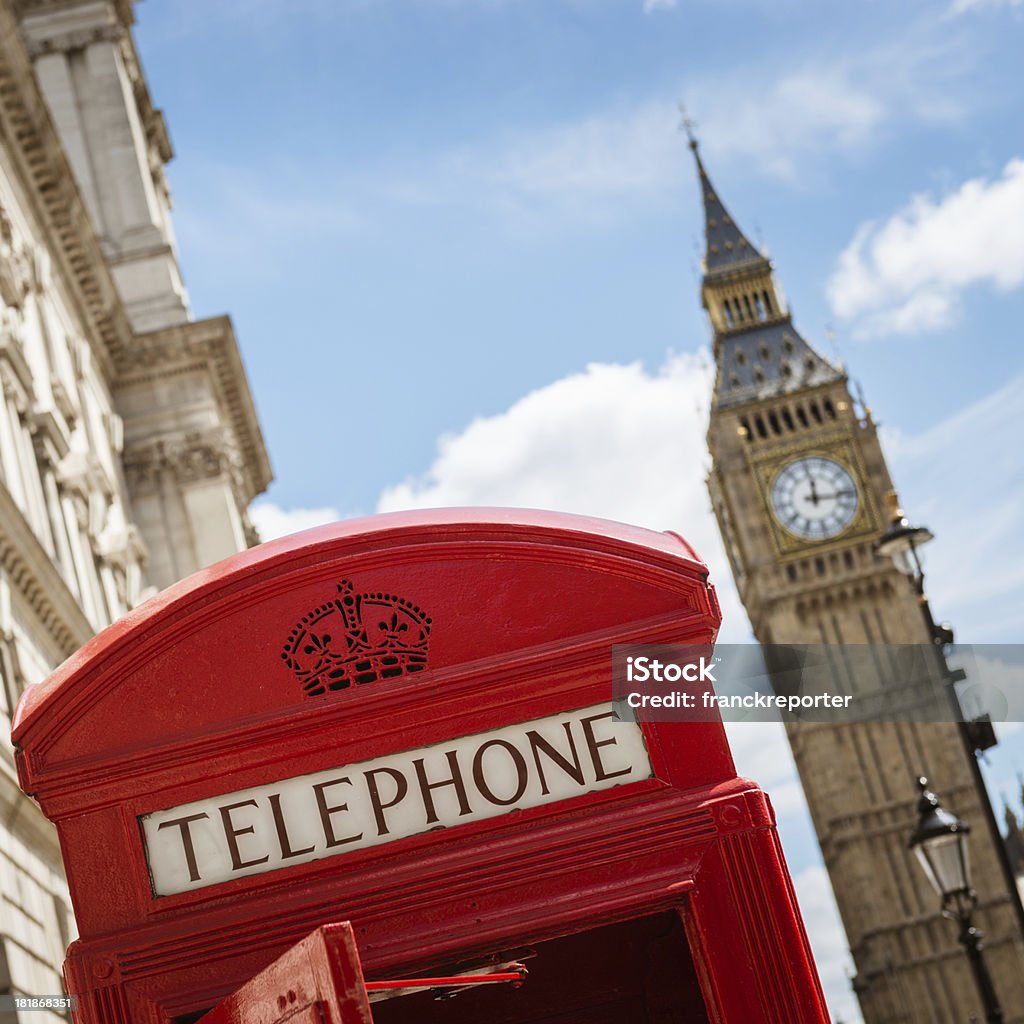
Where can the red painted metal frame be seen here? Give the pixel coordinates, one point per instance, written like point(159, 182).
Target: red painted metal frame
point(318, 981)
point(188, 697)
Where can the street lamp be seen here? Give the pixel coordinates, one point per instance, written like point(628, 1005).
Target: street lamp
point(902, 542)
point(940, 842)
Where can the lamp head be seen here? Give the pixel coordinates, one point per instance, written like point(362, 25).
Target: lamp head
point(901, 541)
point(940, 843)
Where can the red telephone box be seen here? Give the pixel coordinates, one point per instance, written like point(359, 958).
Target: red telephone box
point(404, 722)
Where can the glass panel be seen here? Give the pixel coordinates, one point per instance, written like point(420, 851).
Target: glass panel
point(944, 863)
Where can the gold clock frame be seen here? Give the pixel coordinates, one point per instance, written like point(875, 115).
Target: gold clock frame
point(838, 448)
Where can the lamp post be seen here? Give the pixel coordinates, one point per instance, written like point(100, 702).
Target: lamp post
point(940, 842)
point(901, 542)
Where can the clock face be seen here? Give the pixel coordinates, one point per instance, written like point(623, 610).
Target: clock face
point(814, 498)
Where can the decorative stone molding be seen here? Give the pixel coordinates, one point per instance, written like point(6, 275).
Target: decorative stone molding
point(13, 363)
point(49, 436)
point(210, 346)
point(17, 270)
point(64, 402)
point(41, 270)
point(74, 472)
point(144, 467)
point(32, 572)
point(122, 555)
point(80, 504)
point(203, 462)
point(188, 459)
point(121, 545)
point(81, 474)
point(13, 384)
point(77, 39)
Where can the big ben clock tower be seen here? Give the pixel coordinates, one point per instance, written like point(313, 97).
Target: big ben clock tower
point(801, 492)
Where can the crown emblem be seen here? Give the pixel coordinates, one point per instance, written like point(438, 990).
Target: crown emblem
point(356, 638)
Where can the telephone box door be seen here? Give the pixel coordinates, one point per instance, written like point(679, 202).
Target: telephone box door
point(318, 981)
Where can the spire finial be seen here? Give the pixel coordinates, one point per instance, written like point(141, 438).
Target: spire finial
point(687, 124)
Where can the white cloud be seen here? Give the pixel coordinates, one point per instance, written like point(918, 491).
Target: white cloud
point(573, 446)
point(785, 120)
point(784, 123)
point(907, 274)
point(273, 521)
point(659, 5)
point(789, 121)
point(631, 151)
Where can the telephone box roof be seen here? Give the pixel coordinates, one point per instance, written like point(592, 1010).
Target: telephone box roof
point(52, 710)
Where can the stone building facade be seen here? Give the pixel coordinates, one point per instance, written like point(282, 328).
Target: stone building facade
point(129, 444)
point(799, 486)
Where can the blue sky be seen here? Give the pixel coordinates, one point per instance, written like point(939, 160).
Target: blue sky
point(459, 240)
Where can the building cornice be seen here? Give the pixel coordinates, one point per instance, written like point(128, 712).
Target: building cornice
point(26, 126)
point(197, 455)
point(123, 9)
point(75, 39)
point(209, 343)
point(109, 23)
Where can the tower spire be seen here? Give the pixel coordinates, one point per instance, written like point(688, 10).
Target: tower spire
point(726, 246)
point(758, 350)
